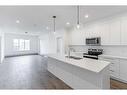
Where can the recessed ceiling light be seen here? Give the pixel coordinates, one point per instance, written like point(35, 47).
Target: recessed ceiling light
point(68, 23)
point(86, 16)
point(17, 21)
point(47, 28)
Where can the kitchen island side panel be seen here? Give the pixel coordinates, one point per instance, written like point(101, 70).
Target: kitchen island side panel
point(79, 78)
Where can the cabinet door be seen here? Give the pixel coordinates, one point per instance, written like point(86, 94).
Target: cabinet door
point(124, 31)
point(104, 32)
point(93, 30)
point(114, 28)
point(96, 30)
point(114, 66)
point(89, 31)
point(123, 70)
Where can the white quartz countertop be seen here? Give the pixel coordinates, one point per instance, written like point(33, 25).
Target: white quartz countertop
point(113, 56)
point(85, 63)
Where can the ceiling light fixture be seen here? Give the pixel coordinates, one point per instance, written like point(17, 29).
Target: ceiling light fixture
point(78, 19)
point(47, 28)
point(17, 21)
point(67, 23)
point(54, 22)
point(86, 16)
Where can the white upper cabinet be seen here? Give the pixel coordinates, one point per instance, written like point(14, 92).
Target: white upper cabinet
point(88, 31)
point(124, 31)
point(110, 32)
point(114, 30)
point(104, 32)
point(96, 30)
point(77, 37)
point(92, 31)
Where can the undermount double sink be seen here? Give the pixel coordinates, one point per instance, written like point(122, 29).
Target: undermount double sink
point(74, 57)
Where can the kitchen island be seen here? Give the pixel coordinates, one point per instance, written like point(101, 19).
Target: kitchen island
point(80, 73)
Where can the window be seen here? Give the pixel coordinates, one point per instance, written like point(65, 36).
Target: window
point(27, 45)
point(21, 44)
point(16, 44)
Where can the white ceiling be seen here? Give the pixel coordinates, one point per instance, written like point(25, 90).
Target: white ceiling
point(37, 18)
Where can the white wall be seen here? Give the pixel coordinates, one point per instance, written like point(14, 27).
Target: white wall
point(9, 51)
point(1, 46)
point(44, 44)
point(48, 43)
point(108, 50)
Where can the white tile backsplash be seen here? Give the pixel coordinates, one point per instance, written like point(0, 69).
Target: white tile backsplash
point(108, 50)
point(115, 50)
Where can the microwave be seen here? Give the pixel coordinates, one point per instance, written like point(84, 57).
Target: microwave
point(93, 41)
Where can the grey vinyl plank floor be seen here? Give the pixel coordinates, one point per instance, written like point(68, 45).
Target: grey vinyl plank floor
point(28, 72)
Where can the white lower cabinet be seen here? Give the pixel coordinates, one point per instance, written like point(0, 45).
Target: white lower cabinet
point(118, 68)
point(123, 70)
point(114, 66)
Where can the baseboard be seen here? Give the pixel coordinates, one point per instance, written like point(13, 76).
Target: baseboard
point(43, 55)
point(120, 80)
point(20, 55)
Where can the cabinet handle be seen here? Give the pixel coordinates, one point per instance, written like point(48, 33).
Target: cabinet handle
point(111, 70)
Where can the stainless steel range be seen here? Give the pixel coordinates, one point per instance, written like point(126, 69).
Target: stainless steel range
point(93, 53)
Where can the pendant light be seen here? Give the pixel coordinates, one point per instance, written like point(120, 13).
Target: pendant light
point(78, 17)
point(54, 22)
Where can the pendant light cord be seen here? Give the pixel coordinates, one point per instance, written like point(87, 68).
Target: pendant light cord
point(78, 14)
point(54, 22)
